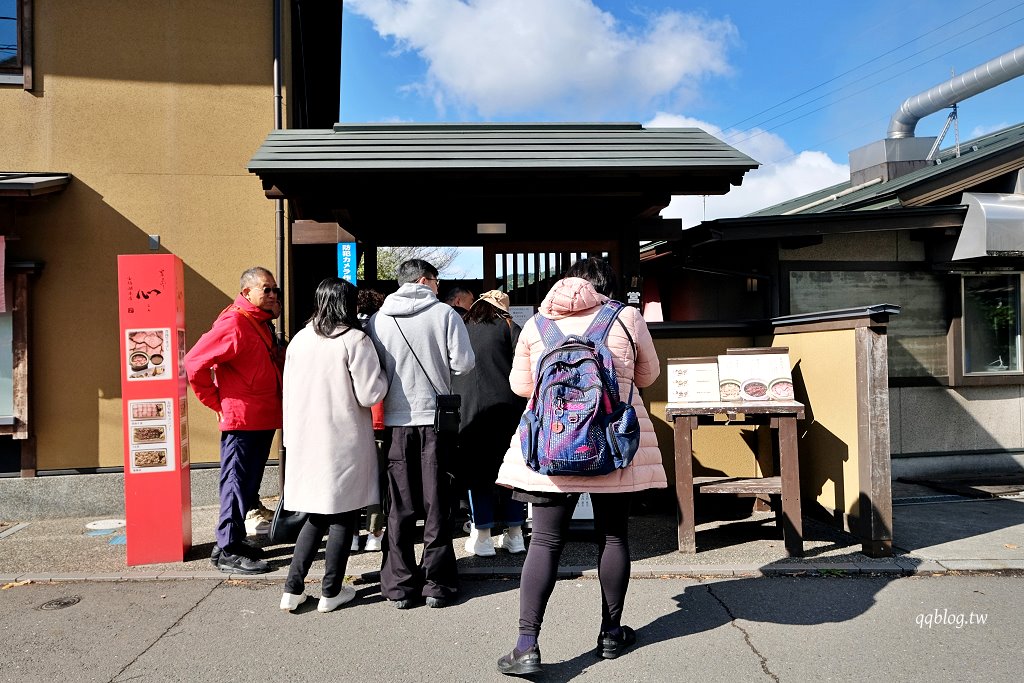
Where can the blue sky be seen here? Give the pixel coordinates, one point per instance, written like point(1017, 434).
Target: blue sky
point(796, 85)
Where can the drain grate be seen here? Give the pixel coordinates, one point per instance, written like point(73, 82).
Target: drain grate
point(60, 603)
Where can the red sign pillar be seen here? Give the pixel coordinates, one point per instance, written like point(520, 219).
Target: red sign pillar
point(157, 488)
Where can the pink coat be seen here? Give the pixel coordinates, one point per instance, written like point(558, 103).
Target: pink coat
point(573, 303)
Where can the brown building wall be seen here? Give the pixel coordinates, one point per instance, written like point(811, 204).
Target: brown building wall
point(155, 109)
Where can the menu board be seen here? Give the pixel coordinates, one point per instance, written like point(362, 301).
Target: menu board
point(693, 379)
point(151, 435)
point(755, 374)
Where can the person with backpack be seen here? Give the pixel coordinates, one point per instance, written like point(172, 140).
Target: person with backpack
point(564, 362)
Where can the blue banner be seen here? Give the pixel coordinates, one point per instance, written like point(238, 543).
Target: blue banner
point(347, 261)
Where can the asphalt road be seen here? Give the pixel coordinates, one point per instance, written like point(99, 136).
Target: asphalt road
point(809, 628)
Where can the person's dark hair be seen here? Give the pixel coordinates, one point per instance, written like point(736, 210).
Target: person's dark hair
point(335, 308)
point(598, 272)
point(369, 301)
point(413, 269)
point(454, 293)
point(483, 312)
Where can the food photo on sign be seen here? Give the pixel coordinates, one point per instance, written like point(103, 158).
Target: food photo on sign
point(146, 353)
point(755, 374)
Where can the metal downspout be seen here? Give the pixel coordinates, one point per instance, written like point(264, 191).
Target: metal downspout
point(279, 203)
point(959, 88)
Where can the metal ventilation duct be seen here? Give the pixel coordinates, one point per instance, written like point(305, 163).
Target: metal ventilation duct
point(956, 89)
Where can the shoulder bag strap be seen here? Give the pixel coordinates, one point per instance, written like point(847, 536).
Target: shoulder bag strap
point(436, 392)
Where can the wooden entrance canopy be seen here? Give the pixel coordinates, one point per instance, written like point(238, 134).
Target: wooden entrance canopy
point(395, 184)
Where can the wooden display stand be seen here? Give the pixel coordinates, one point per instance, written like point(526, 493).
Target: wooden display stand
point(780, 416)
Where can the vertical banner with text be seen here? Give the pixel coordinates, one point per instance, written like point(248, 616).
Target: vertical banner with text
point(347, 261)
point(157, 489)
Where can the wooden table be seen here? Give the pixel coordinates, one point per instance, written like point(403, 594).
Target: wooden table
point(780, 416)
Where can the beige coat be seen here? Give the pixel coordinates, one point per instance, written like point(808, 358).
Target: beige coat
point(329, 386)
point(573, 303)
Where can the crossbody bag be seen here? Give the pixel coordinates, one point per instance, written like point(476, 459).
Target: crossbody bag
point(447, 407)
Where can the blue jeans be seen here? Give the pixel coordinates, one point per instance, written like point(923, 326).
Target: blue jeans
point(484, 502)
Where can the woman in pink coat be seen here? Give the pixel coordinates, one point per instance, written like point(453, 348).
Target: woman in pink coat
point(573, 303)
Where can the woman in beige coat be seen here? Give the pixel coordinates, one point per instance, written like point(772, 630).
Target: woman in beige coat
point(573, 303)
point(331, 378)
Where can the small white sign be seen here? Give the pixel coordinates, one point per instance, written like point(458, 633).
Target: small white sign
point(520, 314)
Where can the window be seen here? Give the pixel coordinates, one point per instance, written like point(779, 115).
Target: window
point(991, 324)
point(16, 42)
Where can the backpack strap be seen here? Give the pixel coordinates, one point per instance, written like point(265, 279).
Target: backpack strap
point(602, 322)
point(549, 332)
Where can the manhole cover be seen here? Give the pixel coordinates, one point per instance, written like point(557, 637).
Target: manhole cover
point(60, 603)
point(106, 524)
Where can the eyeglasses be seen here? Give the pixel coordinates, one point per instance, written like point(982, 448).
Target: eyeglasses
point(270, 290)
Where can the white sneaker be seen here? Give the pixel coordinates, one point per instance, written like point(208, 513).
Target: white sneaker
point(513, 542)
point(257, 523)
point(346, 594)
point(373, 543)
point(480, 545)
point(355, 543)
point(290, 601)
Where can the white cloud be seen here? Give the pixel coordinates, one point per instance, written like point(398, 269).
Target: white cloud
point(978, 131)
point(501, 57)
point(783, 175)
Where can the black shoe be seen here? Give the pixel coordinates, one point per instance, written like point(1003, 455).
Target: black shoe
point(611, 646)
point(438, 602)
point(215, 554)
point(522, 664)
point(239, 564)
point(246, 549)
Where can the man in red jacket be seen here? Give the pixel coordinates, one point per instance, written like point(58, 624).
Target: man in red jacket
point(235, 370)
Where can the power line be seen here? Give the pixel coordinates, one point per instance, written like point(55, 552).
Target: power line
point(863, 64)
point(862, 90)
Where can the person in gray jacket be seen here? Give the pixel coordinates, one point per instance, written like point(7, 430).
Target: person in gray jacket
point(421, 343)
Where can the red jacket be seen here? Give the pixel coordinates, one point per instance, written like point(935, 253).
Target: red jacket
point(245, 385)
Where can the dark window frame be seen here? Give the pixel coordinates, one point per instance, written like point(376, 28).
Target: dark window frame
point(955, 345)
point(21, 73)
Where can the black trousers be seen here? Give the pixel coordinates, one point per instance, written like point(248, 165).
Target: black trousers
point(550, 530)
point(419, 484)
point(339, 528)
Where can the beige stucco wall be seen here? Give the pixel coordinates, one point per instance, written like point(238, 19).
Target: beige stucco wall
point(825, 377)
point(155, 108)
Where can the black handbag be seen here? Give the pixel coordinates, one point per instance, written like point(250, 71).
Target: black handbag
point(286, 524)
point(447, 407)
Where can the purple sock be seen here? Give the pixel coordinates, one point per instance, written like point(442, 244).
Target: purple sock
point(524, 643)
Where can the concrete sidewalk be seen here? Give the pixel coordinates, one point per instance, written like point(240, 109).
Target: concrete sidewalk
point(935, 533)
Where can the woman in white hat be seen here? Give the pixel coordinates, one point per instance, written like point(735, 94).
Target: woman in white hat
point(490, 415)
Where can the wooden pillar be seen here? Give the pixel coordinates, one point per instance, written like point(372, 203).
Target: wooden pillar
point(874, 466)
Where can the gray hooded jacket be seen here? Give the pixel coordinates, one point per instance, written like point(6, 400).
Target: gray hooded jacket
point(439, 339)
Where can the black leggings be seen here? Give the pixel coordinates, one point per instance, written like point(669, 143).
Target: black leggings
point(550, 528)
point(339, 528)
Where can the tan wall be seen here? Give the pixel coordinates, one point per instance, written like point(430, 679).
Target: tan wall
point(731, 451)
point(825, 377)
point(155, 108)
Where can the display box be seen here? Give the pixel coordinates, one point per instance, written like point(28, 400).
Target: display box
point(693, 380)
point(755, 374)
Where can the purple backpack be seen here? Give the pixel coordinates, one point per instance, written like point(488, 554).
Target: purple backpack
point(576, 423)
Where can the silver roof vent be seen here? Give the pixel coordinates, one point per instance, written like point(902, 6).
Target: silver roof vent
point(901, 152)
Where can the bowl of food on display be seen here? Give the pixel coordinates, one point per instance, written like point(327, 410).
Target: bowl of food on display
point(138, 361)
point(729, 390)
point(754, 390)
point(781, 389)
